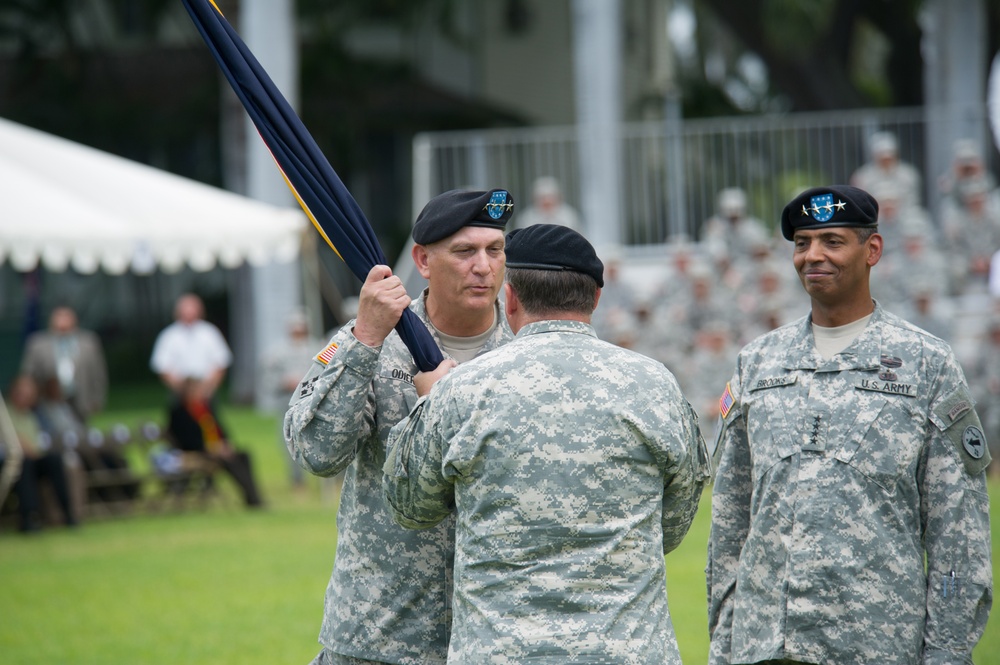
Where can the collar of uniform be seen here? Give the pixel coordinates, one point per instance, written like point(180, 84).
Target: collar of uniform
point(419, 305)
point(868, 345)
point(556, 325)
point(863, 353)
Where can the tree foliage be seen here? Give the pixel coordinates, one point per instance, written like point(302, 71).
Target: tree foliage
point(815, 50)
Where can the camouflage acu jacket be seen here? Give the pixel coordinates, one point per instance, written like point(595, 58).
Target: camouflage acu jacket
point(389, 597)
point(835, 478)
point(572, 466)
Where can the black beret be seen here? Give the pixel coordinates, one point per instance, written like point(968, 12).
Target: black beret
point(553, 247)
point(446, 213)
point(835, 205)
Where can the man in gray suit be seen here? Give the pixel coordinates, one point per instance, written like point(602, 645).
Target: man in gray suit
point(72, 357)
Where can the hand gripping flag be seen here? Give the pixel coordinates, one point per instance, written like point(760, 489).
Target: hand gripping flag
point(316, 186)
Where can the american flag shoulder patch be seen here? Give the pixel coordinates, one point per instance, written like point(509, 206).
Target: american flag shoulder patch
point(326, 355)
point(726, 402)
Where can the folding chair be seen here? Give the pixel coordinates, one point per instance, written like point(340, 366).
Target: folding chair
point(183, 478)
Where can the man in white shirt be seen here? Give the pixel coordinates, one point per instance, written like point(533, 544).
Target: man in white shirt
point(191, 347)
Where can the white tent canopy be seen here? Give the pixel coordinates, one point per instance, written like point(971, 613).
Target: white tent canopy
point(68, 205)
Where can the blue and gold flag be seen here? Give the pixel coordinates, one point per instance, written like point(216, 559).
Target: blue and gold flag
point(316, 186)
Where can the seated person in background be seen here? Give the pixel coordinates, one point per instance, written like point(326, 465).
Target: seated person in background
point(194, 428)
point(60, 421)
point(38, 462)
point(548, 207)
point(886, 167)
point(55, 415)
point(730, 235)
point(10, 453)
point(967, 167)
point(972, 235)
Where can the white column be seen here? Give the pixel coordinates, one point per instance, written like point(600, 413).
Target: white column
point(268, 28)
point(597, 64)
point(954, 50)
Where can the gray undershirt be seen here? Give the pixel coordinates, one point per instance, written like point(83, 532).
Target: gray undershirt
point(463, 349)
point(831, 341)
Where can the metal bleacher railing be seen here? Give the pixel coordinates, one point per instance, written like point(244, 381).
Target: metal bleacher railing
point(669, 177)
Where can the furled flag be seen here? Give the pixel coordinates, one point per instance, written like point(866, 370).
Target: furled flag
point(316, 186)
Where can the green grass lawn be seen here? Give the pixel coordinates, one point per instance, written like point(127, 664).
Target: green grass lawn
point(226, 585)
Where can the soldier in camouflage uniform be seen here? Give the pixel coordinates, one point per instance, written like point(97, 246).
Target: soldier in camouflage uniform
point(850, 519)
point(572, 465)
point(886, 168)
point(390, 593)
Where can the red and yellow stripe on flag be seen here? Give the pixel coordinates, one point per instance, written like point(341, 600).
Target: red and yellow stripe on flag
point(326, 355)
point(318, 189)
point(726, 401)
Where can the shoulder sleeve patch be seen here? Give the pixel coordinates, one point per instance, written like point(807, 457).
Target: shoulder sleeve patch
point(956, 417)
point(726, 402)
point(326, 355)
point(728, 412)
point(949, 410)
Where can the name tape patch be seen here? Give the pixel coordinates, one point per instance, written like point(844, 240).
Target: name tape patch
point(772, 382)
point(889, 387)
point(397, 374)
